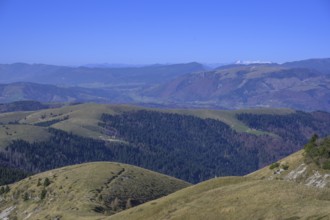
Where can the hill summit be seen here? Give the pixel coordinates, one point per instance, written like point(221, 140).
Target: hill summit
point(84, 191)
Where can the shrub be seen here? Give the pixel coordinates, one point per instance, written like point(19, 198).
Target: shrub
point(285, 166)
point(43, 193)
point(318, 151)
point(274, 165)
point(46, 182)
point(26, 196)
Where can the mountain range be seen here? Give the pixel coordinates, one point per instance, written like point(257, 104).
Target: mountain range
point(302, 85)
point(249, 86)
point(91, 77)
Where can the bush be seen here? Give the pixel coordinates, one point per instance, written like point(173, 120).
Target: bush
point(43, 194)
point(318, 151)
point(326, 165)
point(26, 196)
point(274, 165)
point(46, 182)
point(285, 166)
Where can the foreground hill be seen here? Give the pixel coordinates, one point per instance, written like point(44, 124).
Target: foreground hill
point(193, 145)
point(289, 189)
point(236, 198)
point(85, 191)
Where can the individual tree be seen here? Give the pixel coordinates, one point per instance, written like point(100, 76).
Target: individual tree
point(46, 182)
point(26, 196)
point(43, 194)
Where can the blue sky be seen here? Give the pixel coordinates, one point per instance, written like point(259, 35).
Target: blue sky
point(75, 32)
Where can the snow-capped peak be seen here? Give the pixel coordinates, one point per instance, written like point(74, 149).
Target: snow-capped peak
point(246, 62)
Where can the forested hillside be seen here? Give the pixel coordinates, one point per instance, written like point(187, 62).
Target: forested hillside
point(181, 145)
point(296, 128)
point(24, 106)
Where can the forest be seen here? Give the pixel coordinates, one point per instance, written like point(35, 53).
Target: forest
point(183, 146)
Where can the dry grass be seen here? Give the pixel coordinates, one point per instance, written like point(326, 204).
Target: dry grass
point(75, 190)
point(236, 198)
point(293, 161)
point(83, 120)
point(259, 195)
point(28, 133)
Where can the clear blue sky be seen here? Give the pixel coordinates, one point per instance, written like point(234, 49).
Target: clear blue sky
point(74, 32)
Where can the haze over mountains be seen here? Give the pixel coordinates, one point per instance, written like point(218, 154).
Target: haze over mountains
point(84, 76)
point(303, 85)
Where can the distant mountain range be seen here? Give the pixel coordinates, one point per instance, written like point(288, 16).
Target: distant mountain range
point(85, 76)
point(303, 85)
point(50, 93)
point(256, 85)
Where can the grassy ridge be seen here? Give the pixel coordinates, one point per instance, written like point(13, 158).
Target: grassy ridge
point(236, 198)
point(86, 191)
point(83, 120)
point(294, 191)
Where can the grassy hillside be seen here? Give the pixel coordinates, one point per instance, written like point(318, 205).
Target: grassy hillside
point(289, 189)
point(85, 191)
point(30, 133)
point(236, 198)
point(83, 119)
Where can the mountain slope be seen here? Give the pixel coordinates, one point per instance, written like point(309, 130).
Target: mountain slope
point(321, 65)
point(249, 86)
point(289, 189)
point(236, 198)
point(302, 85)
point(85, 191)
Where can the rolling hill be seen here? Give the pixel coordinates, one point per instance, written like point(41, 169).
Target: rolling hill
point(220, 143)
point(85, 191)
point(290, 189)
point(193, 145)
